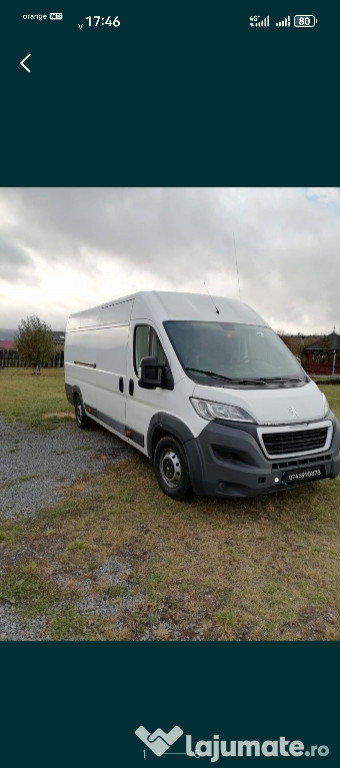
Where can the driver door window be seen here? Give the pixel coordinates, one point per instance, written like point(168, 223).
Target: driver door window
point(147, 344)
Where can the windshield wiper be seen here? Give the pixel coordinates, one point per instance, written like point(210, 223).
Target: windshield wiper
point(269, 380)
point(210, 373)
point(282, 378)
point(250, 381)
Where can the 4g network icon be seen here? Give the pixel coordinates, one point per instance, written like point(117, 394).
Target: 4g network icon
point(159, 742)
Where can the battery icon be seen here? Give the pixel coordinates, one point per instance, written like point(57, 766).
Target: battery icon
point(305, 21)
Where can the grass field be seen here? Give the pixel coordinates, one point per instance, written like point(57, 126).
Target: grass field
point(115, 559)
point(38, 401)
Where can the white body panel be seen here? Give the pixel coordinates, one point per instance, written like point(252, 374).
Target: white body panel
point(95, 358)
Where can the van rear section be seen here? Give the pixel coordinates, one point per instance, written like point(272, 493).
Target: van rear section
point(204, 388)
point(95, 364)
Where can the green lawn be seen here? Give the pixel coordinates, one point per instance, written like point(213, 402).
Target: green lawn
point(38, 401)
point(115, 559)
point(332, 392)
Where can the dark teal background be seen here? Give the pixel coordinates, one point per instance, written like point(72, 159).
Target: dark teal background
point(185, 94)
point(182, 93)
point(80, 703)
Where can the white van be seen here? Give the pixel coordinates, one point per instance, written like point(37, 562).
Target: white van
point(204, 388)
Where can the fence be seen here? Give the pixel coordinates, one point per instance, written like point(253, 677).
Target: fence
point(9, 359)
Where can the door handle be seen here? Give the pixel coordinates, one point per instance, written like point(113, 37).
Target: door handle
point(121, 384)
point(131, 387)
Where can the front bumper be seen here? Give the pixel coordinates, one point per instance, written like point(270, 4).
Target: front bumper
point(228, 461)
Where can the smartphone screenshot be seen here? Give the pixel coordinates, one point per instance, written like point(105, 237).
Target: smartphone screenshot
point(169, 382)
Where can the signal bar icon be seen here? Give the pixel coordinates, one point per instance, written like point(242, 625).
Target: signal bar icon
point(263, 23)
point(284, 23)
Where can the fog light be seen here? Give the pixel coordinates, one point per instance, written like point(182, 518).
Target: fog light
point(276, 479)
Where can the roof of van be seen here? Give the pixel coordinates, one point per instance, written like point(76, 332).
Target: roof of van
point(171, 305)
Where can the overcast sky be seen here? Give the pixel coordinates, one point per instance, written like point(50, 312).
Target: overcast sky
point(63, 250)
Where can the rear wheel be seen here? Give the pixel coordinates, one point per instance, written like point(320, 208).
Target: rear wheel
point(81, 418)
point(171, 468)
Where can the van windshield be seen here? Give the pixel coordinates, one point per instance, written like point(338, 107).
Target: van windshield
point(235, 353)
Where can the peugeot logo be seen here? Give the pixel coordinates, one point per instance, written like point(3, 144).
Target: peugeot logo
point(293, 412)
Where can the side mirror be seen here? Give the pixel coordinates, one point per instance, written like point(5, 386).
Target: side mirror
point(149, 378)
point(154, 374)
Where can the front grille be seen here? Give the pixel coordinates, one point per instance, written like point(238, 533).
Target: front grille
point(283, 443)
point(289, 441)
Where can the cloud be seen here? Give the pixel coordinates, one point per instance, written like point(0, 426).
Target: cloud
point(324, 195)
point(13, 259)
point(88, 245)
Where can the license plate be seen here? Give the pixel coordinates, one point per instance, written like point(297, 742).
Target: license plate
point(303, 475)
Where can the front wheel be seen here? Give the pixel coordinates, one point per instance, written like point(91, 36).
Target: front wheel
point(171, 468)
point(81, 418)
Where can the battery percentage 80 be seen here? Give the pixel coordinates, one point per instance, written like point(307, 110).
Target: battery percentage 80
point(305, 21)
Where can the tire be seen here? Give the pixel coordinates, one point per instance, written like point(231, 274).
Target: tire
point(171, 468)
point(79, 410)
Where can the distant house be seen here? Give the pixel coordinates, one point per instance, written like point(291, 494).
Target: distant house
point(8, 353)
point(323, 356)
point(8, 345)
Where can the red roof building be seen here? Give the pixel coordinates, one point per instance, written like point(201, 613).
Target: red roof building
point(8, 353)
point(323, 357)
point(8, 345)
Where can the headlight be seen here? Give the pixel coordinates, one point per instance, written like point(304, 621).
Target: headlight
point(326, 408)
point(210, 410)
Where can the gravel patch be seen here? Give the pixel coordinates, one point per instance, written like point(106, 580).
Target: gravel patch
point(97, 606)
point(108, 606)
point(35, 466)
point(115, 570)
point(13, 629)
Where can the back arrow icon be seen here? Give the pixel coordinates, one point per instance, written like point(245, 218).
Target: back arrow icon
point(23, 64)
